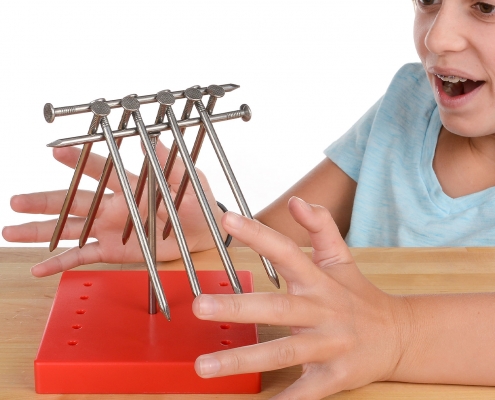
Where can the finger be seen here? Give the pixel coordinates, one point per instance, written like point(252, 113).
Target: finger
point(329, 247)
point(283, 253)
point(276, 354)
point(50, 203)
point(93, 168)
point(71, 258)
point(316, 383)
point(162, 153)
point(42, 231)
point(265, 308)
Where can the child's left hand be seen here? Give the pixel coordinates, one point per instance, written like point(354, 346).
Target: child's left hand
point(346, 332)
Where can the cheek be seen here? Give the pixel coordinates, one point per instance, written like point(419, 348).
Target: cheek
point(419, 32)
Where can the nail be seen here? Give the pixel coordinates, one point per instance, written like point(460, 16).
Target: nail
point(207, 305)
point(303, 204)
point(234, 220)
point(207, 366)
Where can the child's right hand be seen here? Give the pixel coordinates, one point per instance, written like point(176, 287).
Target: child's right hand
point(346, 332)
point(110, 220)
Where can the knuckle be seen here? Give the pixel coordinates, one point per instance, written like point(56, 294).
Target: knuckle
point(285, 355)
point(281, 305)
point(234, 363)
point(234, 306)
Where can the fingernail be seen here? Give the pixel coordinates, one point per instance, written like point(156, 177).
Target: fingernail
point(207, 366)
point(207, 305)
point(303, 203)
point(234, 220)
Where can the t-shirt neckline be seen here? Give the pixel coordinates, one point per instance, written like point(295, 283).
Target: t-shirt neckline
point(435, 191)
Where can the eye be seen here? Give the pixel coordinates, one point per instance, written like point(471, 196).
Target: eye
point(485, 8)
point(426, 3)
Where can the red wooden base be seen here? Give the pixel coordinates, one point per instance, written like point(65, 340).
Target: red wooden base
point(99, 337)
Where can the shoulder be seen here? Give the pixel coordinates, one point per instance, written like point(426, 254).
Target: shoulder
point(408, 98)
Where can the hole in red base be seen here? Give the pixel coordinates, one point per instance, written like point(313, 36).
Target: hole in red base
point(225, 326)
point(226, 342)
point(80, 311)
point(72, 342)
point(224, 284)
point(76, 326)
point(87, 284)
point(84, 297)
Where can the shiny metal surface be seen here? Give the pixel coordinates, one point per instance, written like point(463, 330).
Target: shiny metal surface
point(100, 109)
point(102, 184)
point(133, 105)
point(215, 93)
point(151, 231)
point(50, 112)
point(154, 130)
point(172, 155)
point(164, 98)
point(229, 174)
point(203, 202)
point(76, 178)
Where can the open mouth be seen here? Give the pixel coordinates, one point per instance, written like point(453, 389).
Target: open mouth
point(456, 85)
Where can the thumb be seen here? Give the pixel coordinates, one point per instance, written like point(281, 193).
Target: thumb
point(329, 247)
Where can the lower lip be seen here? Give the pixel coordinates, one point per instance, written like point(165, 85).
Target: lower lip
point(453, 102)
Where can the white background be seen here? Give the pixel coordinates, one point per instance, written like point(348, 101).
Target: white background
point(308, 70)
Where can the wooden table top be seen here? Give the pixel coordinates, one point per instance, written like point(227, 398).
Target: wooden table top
point(25, 302)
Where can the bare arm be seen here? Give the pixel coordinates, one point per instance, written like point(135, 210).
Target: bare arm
point(450, 339)
point(326, 185)
point(346, 332)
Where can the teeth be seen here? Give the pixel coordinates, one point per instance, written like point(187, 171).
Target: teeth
point(451, 78)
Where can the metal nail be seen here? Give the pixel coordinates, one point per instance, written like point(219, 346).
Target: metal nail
point(227, 169)
point(203, 202)
point(151, 229)
point(138, 192)
point(166, 171)
point(76, 178)
point(102, 109)
point(153, 130)
point(215, 93)
point(133, 105)
point(102, 184)
point(50, 112)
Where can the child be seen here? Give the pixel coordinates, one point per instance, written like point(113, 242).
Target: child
point(418, 169)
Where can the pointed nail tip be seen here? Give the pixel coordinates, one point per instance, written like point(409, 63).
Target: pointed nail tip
point(53, 144)
point(275, 281)
point(166, 312)
point(237, 290)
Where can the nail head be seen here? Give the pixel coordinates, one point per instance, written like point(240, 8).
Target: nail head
point(216, 91)
point(49, 113)
point(130, 103)
point(100, 108)
point(193, 94)
point(247, 113)
point(165, 97)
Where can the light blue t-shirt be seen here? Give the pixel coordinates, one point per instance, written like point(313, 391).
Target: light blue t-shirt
point(399, 201)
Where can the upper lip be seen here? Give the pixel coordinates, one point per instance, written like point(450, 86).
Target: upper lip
point(451, 72)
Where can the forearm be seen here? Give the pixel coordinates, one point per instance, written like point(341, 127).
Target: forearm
point(448, 339)
point(326, 185)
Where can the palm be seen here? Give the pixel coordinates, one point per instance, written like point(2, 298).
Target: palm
point(110, 220)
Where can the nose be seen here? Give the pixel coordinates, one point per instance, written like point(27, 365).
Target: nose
point(446, 33)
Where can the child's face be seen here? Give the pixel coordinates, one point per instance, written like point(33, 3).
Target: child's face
point(455, 39)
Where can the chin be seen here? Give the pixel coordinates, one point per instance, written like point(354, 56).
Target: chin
point(467, 127)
